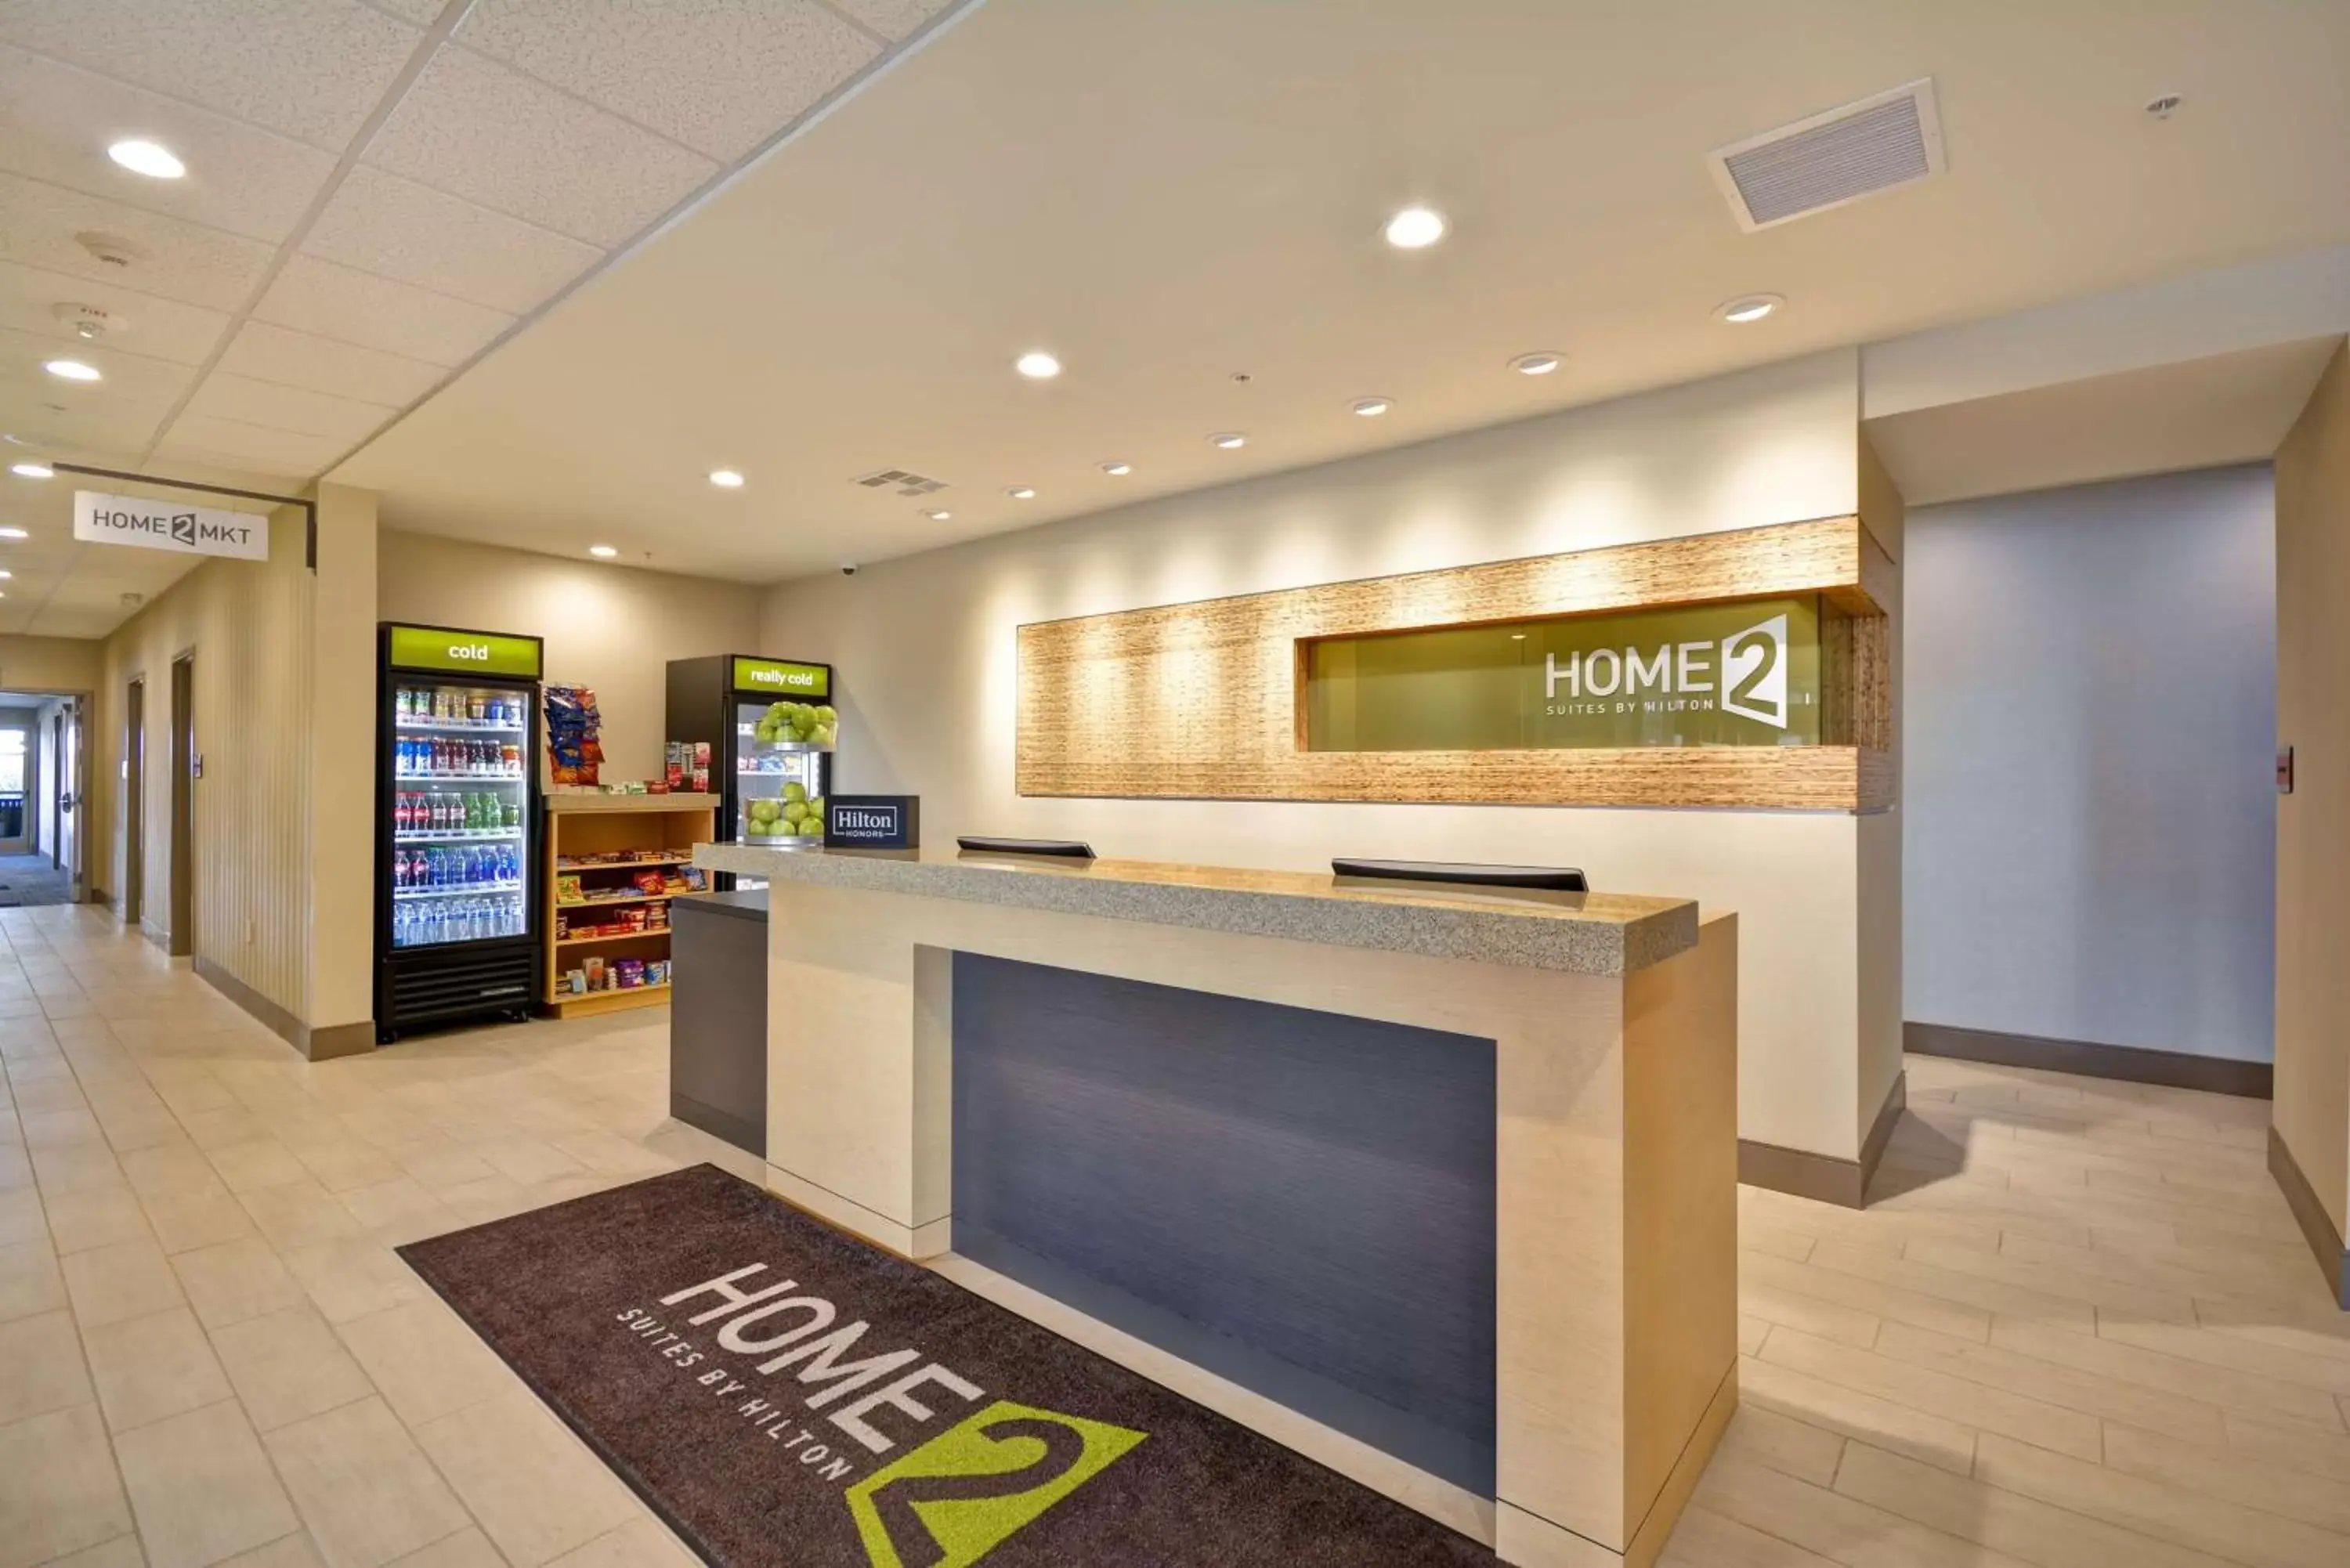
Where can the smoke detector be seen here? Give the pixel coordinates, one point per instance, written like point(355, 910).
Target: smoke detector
point(112, 250)
point(90, 322)
point(1878, 143)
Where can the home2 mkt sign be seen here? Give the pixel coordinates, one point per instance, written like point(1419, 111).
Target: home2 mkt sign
point(1742, 674)
point(100, 519)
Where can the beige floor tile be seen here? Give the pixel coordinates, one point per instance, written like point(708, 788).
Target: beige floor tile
point(466, 1549)
point(289, 1366)
point(298, 1214)
point(2086, 1392)
point(206, 1218)
point(1842, 1529)
point(201, 1488)
point(169, 1170)
point(2001, 1520)
point(1704, 1539)
point(123, 1551)
point(642, 1543)
point(345, 1164)
point(366, 1491)
point(2225, 1387)
point(222, 1128)
point(29, 1280)
point(529, 1160)
point(39, 1095)
point(1810, 1314)
point(2168, 1512)
point(22, 1217)
point(88, 1216)
point(1972, 1404)
point(130, 1279)
point(440, 1162)
point(427, 1363)
point(2298, 1448)
point(535, 1491)
point(41, 1367)
point(1800, 1397)
point(399, 1207)
point(1766, 1437)
point(60, 1129)
point(235, 1281)
point(2216, 1472)
point(59, 1491)
point(149, 1368)
point(74, 1166)
point(354, 1279)
point(294, 1551)
point(264, 1162)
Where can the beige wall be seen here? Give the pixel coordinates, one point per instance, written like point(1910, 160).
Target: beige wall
point(925, 653)
point(610, 627)
point(342, 761)
point(66, 664)
point(2313, 923)
point(253, 628)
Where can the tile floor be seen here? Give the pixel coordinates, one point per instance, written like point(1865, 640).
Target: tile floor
point(2076, 1329)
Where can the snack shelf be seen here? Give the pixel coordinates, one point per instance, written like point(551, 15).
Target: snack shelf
point(643, 832)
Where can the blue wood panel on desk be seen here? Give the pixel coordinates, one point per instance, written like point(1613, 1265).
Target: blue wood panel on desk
point(1300, 1201)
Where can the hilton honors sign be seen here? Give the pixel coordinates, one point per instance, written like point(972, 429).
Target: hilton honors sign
point(101, 519)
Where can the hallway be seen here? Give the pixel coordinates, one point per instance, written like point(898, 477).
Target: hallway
point(29, 882)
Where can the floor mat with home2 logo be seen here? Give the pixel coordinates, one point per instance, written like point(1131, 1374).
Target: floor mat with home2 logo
point(787, 1396)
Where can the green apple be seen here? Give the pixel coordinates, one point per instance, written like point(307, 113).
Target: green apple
point(826, 716)
point(794, 790)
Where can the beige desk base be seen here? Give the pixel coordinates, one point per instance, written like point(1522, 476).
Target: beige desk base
point(1615, 1179)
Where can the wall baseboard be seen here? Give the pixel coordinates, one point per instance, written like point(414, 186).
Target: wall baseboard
point(317, 1044)
point(2324, 1241)
point(2128, 1063)
point(1823, 1178)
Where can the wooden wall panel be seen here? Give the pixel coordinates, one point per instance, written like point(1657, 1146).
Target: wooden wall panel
point(1201, 701)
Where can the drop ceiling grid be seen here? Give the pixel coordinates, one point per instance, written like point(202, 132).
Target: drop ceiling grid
point(491, 154)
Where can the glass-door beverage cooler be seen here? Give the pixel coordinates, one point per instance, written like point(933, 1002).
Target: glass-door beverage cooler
point(457, 826)
point(769, 726)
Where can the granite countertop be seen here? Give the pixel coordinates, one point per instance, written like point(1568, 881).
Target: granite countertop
point(1586, 933)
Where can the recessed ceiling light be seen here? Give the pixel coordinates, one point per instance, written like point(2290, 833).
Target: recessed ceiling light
point(1037, 365)
point(602, 552)
point(152, 158)
point(1021, 493)
point(71, 370)
point(13, 534)
point(1537, 364)
point(1415, 228)
point(1517, 637)
point(1117, 470)
point(1372, 408)
point(33, 471)
point(1749, 307)
point(4, 576)
point(725, 479)
point(940, 516)
point(1230, 440)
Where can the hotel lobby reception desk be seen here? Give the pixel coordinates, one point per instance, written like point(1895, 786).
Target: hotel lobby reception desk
point(1436, 1185)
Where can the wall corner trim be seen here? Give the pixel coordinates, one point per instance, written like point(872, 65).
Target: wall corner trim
point(2324, 1241)
point(317, 1044)
point(1823, 1178)
point(2125, 1063)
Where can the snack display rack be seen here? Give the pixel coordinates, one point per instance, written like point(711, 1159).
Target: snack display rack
point(613, 864)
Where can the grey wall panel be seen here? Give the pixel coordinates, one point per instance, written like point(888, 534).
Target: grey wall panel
point(2089, 805)
point(1301, 1201)
point(717, 1016)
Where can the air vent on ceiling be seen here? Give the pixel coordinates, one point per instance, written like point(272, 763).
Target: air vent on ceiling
point(1840, 156)
point(907, 484)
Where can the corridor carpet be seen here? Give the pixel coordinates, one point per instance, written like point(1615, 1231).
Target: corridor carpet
point(787, 1396)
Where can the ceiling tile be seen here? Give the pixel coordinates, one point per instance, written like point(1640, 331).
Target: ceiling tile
point(474, 128)
point(229, 396)
point(375, 313)
point(291, 359)
point(423, 13)
point(56, 122)
point(144, 323)
point(283, 455)
point(399, 229)
point(178, 260)
point(311, 68)
point(103, 432)
point(893, 19)
point(720, 76)
point(131, 377)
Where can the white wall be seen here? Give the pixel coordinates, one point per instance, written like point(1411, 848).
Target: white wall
point(612, 629)
point(925, 652)
point(2091, 810)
